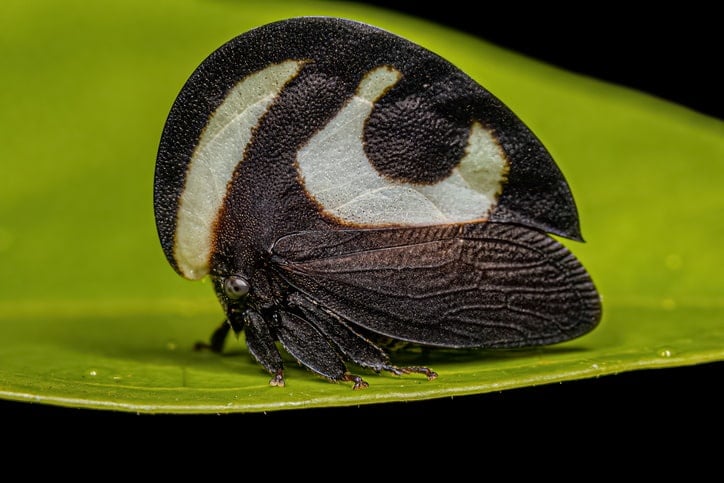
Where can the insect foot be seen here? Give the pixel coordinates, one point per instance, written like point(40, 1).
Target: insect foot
point(422, 370)
point(400, 371)
point(216, 342)
point(359, 383)
point(277, 380)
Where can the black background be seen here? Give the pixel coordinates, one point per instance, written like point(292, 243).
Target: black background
point(673, 54)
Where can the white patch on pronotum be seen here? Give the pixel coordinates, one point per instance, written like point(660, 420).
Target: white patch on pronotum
point(218, 153)
point(337, 173)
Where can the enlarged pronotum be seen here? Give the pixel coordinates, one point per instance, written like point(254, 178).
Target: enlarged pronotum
point(342, 186)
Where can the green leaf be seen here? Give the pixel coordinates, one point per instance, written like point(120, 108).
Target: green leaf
point(91, 315)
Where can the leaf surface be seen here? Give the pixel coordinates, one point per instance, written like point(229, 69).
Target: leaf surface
point(91, 315)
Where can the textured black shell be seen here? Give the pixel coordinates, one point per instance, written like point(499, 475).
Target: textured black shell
point(415, 132)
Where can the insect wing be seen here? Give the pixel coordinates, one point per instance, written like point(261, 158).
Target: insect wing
point(486, 285)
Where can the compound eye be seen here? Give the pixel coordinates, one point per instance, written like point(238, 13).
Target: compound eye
point(236, 287)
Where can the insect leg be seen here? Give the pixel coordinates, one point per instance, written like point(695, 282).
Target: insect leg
point(353, 345)
point(430, 374)
point(312, 349)
point(217, 340)
point(261, 345)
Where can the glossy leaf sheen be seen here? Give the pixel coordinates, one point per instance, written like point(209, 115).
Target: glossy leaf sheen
point(91, 315)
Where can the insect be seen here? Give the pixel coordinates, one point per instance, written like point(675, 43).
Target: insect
point(343, 186)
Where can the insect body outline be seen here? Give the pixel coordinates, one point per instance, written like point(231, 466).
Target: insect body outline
point(339, 197)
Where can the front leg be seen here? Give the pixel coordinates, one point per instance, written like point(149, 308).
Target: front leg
point(354, 346)
point(312, 349)
point(262, 346)
point(218, 338)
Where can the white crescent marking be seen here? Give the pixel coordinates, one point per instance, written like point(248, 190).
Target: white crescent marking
point(337, 173)
point(219, 151)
